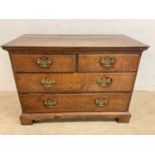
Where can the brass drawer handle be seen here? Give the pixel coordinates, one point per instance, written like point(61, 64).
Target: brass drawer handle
point(107, 61)
point(46, 82)
point(44, 62)
point(49, 103)
point(106, 81)
point(101, 102)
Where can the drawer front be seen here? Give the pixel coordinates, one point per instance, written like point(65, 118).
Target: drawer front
point(72, 83)
point(108, 62)
point(43, 63)
point(109, 102)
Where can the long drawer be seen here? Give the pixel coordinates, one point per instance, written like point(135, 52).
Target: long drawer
point(108, 62)
point(75, 83)
point(43, 63)
point(109, 102)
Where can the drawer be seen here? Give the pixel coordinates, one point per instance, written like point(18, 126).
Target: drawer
point(109, 102)
point(108, 62)
point(76, 82)
point(43, 63)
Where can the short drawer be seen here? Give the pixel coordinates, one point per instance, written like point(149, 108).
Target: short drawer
point(76, 82)
point(109, 102)
point(43, 63)
point(108, 62)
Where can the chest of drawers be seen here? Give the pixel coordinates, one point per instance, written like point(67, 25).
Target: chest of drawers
point(74, 77)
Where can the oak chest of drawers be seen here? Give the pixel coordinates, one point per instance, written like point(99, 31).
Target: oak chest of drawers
point(74, 77)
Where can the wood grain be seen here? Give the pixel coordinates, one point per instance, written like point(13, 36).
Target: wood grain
point(76, 70)
point(76, 102)
point(30, 118)
point(74, 83)
point(28, 63)
point(56, 42)
point(34, 40)
point(124, 62)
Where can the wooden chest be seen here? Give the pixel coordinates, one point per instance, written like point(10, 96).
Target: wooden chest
point(74, 77)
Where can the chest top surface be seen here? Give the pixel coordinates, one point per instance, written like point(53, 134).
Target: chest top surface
point(75, 41)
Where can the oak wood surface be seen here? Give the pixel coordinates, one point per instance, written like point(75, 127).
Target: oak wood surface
point(28, 63)
point(124, 62)
point(76, 102)
point(74, 41)
point(30, 118)
point(74, 83)
point(76, 70)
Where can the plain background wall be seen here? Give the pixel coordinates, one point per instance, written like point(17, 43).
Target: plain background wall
point(143, 30)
